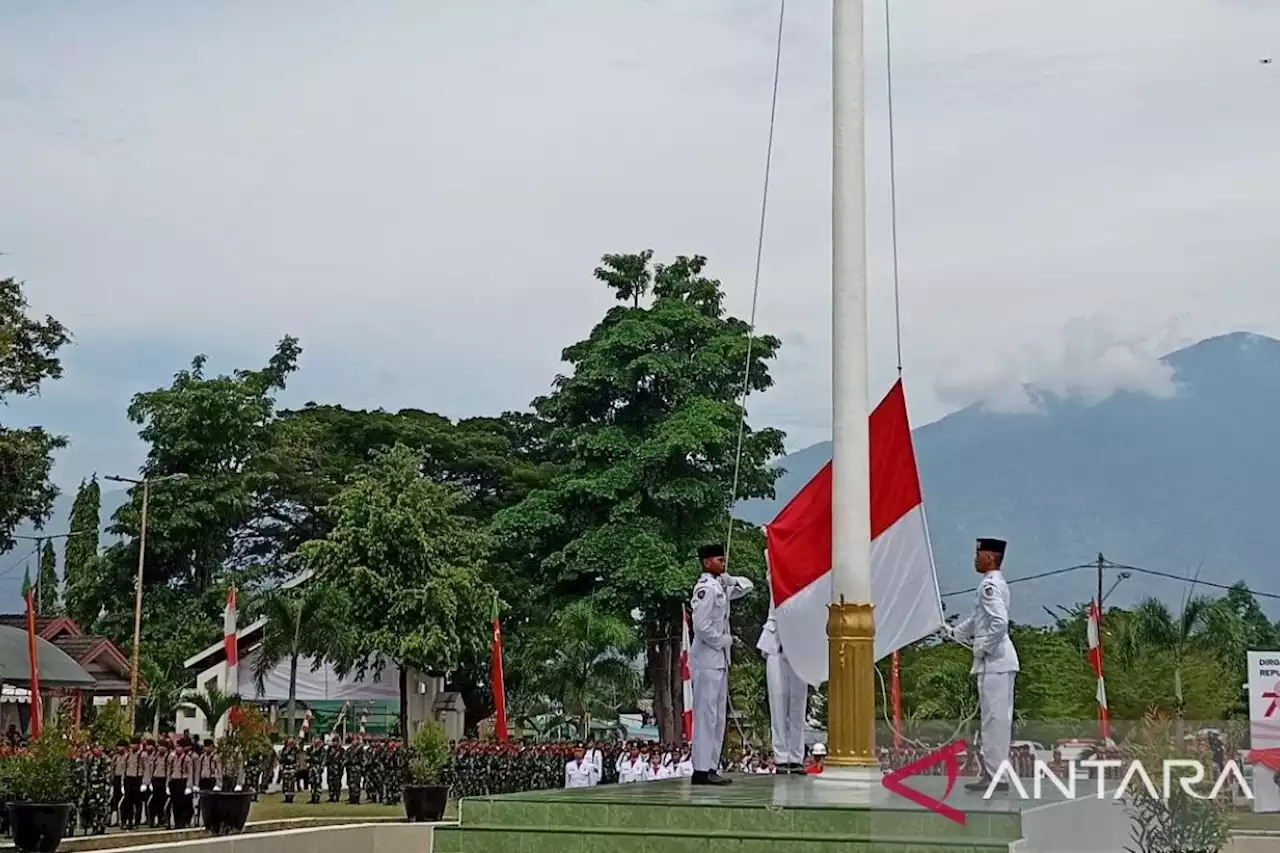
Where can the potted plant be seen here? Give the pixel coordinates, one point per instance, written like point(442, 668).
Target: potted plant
point(225, 810)
point(425, 797)
point(41, 779)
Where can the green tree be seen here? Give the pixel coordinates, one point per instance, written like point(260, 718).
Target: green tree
point(80, 553)
point(48, 595)
point(410, 561)
point(214, 703)
point(301, 622)
point(28, 357)
point(645, 425)
point(585, 664)
point(1203, 626)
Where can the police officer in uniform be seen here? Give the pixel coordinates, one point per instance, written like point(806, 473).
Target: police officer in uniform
point(788, 699)
point(709, 661)
point(995, 661)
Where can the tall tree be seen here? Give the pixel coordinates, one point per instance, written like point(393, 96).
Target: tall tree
point(301, 622)
point(410, 561)
point(28, 357)
point(81, 551)
point(646, 425)
point(48, 594)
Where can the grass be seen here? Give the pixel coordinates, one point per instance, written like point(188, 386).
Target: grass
point(1243, 821)
point(273, 807)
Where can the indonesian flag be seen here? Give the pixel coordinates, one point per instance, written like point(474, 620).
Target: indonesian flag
point(686, 676)
point(904, 586)
point(229, 643)
point(33, 657)
point(1095, 661)
point(497, 681)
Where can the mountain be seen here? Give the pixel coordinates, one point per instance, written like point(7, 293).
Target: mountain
point(1186, 485)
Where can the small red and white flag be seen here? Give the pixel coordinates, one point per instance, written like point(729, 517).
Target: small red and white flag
point(1095, 661)
point(229, 643)
point(686, 676)
point(904, 585)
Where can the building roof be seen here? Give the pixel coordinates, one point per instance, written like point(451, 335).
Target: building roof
point(56, 668)
point(46, 626)
point(217, 652)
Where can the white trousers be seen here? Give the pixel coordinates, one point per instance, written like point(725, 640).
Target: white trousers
point(995, 702)
point(788, 707)
point(710, 705)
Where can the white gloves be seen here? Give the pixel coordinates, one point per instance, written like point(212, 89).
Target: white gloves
point(146, 789)
point(239, 787)
point(217, 788)
point(188, 792)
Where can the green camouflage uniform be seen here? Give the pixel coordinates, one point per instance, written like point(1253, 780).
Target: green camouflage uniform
point(316, 760)
point(333, 765)
point(97, 807)
point(355, 763)
point(374, 772)
point(289, 756)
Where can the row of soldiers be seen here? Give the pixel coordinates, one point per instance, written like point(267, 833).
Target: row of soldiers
point(374, 769)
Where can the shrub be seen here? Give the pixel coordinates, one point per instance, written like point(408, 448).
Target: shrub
point(429, 754)
point(44, 772)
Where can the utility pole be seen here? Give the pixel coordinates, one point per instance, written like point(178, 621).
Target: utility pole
point(137, 600)
point(1101, 562)
point(40, 540)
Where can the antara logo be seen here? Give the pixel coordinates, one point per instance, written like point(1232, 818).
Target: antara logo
point(948, 755)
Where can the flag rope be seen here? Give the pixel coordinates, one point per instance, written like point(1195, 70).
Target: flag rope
point(755, 285)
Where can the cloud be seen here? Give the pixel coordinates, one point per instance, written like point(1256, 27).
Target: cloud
point(1092, 359)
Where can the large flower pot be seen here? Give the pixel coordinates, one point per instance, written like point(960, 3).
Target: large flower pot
point(225, 812)
point(425, 802)
point(38, 827)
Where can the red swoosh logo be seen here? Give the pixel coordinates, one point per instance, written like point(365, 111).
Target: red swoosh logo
point(948, 755)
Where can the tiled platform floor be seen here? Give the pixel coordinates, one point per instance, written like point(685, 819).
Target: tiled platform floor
point(754, 814)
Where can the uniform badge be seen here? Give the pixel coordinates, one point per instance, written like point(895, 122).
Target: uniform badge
point(989, 591)
point(702, 593)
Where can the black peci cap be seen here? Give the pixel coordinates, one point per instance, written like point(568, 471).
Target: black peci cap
point(710, 552)
point(995, 546)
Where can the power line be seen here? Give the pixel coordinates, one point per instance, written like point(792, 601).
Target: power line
point(1196, 581)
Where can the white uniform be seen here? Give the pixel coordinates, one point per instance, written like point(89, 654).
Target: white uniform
point(995, 665)
point(630, 771)
point(788, 697)
point(684, 769)
point(579, 774)
point(709, 663)
point(595, 758)
point(655, 774)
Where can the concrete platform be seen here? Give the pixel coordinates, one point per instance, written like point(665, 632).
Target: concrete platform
point(758, 813)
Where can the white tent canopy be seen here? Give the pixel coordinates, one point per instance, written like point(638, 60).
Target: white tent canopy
point(320, 685)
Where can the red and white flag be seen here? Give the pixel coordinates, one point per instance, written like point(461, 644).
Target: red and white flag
point(229, 643)
point(1095, 661)
point(904, 585)
point(686, 676)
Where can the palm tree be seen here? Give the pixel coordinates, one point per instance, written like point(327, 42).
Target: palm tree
point(298, 625)
point(214, 703)
point(588, 661)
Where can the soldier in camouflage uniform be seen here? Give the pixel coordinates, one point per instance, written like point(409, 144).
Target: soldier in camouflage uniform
point(316, 761)
point(268, 774)
point(393, 763)
point(253, 774)
point(373, 772)
point(97, 801)
point(355, 764)
point(333, 763)
point(289, 756)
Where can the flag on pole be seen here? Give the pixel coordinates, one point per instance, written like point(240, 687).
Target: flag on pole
point(497, 680)
point(904, 585)
point(1095, 661)
point(33, 659)
point(686, 677)
point(230, 644)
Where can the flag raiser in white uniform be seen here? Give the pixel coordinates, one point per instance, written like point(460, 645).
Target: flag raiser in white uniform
point(709, 660)
point(788, 698)
point(995, 660)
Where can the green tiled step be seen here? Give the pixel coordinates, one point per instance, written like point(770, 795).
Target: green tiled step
point(575, 839)
point(739, 820)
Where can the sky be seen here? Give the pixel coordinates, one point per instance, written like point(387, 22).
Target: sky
point(420, 190)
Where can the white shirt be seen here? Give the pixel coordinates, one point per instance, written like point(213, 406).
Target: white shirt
point(988, 628)
point(685, 768)
point(630, 771)
point(709, 608)
point(596, 759)
point(579, 774)
point(652, 774)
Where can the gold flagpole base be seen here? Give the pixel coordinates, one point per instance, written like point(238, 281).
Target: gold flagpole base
point(851, 699)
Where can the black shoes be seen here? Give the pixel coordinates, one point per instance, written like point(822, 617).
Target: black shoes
point(702, 777)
